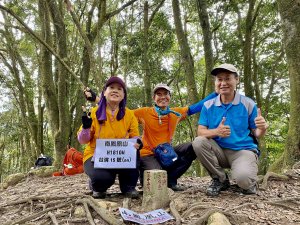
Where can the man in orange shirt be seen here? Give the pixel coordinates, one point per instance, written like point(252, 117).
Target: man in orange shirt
point(159, 125)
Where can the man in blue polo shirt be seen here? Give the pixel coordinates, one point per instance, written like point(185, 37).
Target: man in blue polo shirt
point(225, 139)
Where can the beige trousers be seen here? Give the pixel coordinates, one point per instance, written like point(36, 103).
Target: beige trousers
point(243, 163)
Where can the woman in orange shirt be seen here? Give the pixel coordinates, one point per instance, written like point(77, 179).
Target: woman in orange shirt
point(111, 119)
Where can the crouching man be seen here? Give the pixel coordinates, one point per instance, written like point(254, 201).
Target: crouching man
point(228, 127)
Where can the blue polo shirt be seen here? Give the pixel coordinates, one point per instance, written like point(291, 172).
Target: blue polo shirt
point(240, 115)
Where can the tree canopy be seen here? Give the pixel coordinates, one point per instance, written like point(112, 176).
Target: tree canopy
point(50, 50)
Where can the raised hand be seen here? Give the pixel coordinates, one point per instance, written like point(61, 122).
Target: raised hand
point(260, 121)
point(223, 130)
point(89, 94)
point(86, 119)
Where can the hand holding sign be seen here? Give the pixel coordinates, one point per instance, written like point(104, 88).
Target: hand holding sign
point(139, 144)
point(223, 130)
point(260, 121)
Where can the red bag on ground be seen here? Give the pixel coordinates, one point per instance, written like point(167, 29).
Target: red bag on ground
point(73, 163)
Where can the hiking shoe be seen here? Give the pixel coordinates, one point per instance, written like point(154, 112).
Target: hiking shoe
point(250, 191)
point(177, 188)
point(132, 194)
point(100, 195)
point(216, 187)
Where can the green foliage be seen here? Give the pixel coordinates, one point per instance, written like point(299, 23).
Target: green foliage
point(123, 36)
point(275, 149)
point(160, 37)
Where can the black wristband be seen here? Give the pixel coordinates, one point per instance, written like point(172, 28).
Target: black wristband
point(139, 141)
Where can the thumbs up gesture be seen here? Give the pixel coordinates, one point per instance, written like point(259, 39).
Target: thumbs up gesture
point(260, 121)
point(223, 130)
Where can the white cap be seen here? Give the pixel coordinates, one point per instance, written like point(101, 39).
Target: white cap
point(163, 86)
point(222, 67)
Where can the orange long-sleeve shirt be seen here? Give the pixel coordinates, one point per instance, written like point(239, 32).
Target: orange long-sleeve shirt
point(155, 132)
point(111, 129)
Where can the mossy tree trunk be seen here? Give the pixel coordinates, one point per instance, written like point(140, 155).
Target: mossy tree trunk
point(207, 44)
point(290, 17)
point(186, 56)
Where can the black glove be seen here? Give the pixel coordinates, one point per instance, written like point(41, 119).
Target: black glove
point(93, 96)
point(86, 120)
point(139, 141)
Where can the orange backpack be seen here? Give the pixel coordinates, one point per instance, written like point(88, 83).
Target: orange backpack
point(73, 163)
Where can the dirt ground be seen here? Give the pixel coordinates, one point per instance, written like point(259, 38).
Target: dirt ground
point(54, 200)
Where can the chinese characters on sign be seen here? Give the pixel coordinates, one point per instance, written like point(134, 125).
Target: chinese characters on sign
point(153, 217)
point(115, 153)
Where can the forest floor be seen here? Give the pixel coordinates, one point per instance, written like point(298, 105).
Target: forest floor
point(54, 200)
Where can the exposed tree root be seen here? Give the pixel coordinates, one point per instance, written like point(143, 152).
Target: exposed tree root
point(281, 205)
point(272, 175)
point(205, 216)
point(32, 216)
point(103, 213)
point(76, 220)
point(192, 208)
point(239, 207)
point(175, 213)
point(126, 203)
point(40, 198)
point(88, 213)
point(275, 203)
point(53, 218)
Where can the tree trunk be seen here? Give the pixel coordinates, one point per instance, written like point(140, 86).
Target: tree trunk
point(290, 11)
point(247, 51)
point(145, 62)
point(187, 58)
point(48, 85)
point(62, 133)
point(207, 39)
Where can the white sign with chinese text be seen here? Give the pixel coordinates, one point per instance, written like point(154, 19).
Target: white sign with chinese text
point(153, 217)
point(115, 154)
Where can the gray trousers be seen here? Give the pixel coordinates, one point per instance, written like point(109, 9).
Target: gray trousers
point(243, 163)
